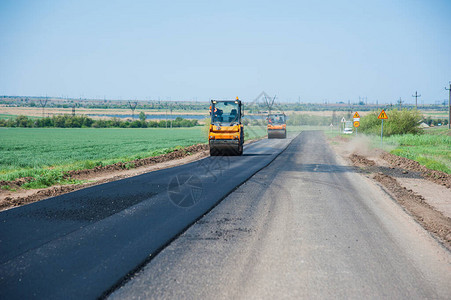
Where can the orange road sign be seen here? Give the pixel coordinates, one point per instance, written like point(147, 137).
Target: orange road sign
point(356, 115)
point(383, 115)
point(356, 124)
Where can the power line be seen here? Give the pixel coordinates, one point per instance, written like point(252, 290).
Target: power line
point(133, 107)
point(269, 101)
point(170, 108)
point(416, 99)
point(43, 104)
point(400, 103)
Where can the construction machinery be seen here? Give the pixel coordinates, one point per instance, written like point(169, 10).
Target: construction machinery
point(226, 134)
point(277, 126)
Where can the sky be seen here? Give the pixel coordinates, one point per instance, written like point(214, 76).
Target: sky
point(312, 51)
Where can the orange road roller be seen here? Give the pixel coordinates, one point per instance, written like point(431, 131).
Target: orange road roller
point(277, 126)
point(226, 134)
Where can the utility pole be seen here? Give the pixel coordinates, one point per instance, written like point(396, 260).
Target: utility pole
point(170, 108)
point(400, 103)
point(416, 99)
point(133, 107)
point(270, 102)
point(449, 105)
point(43, 104)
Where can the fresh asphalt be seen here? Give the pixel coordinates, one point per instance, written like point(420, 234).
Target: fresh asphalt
point(82, 244)
point(306, 226)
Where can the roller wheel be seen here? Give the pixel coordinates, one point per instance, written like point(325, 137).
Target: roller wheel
point(214, 151)
point(240, 150)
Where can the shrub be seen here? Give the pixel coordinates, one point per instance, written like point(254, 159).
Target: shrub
point(398, 122)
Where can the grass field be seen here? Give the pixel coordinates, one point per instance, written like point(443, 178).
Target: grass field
point(6, 116)
point(45, 153)
point(435, 113)
point(431, 149)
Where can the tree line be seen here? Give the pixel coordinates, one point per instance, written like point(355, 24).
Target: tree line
point(69, 121)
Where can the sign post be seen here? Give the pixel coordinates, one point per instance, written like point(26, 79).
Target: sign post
point(356, 118)
point(382, 116)
point(343, 121)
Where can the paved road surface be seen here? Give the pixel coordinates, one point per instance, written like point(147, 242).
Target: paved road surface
point(81, 244)
point(304, 227)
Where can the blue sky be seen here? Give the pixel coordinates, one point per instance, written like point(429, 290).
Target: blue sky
point(184, 50)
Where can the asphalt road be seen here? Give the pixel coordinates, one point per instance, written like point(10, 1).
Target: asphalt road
point(306, 226)
point(81, 244)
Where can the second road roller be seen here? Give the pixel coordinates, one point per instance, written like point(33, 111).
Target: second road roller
point(277, 126)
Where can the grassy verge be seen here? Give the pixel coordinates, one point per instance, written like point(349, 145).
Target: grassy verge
point(430, 150)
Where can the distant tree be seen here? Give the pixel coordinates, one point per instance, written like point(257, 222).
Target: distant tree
point(142, 116)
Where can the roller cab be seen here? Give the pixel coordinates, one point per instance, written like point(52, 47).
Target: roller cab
point(277, 126)
point(226, 134)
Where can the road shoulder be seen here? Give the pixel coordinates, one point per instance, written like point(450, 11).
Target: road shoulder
point(423, 194)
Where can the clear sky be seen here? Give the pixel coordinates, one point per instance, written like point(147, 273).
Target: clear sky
point(184, 50)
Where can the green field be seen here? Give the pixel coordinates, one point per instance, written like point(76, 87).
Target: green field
point(5, 116)
point(431, 149)
point(45, 153)
point(435, 113)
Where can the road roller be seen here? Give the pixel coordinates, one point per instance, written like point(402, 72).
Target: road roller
point(277, 126)
point(226, 134)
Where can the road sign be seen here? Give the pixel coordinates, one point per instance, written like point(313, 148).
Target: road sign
point(343, 120)
point(383, 115)
point(356, 123)
point(356, 115)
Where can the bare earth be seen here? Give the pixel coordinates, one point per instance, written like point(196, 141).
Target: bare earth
point(37, 112)
point(424, 194)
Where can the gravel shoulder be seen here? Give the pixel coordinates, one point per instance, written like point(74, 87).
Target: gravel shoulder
point(423, 193)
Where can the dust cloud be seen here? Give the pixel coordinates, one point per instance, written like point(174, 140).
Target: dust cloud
point(368, 146)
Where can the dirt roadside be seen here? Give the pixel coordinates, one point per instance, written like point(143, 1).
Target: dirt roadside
point(423, 193)
point(17, 196)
